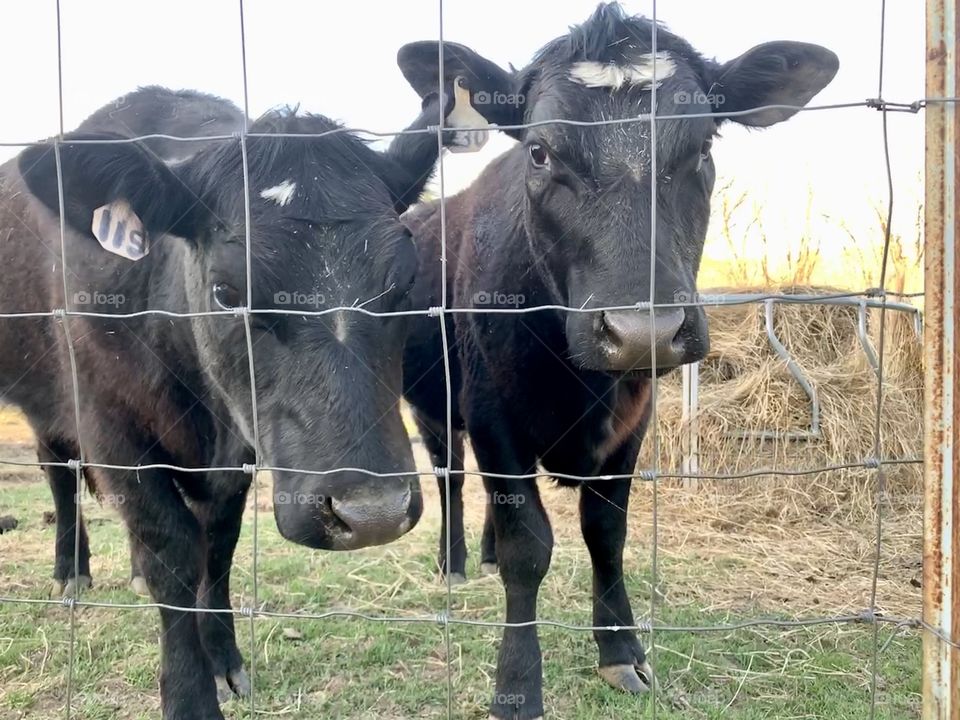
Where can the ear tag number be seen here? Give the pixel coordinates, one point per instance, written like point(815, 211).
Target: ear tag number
point(119, 230)
point(464, 115)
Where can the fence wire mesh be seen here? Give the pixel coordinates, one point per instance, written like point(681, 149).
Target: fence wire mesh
point(876, 297)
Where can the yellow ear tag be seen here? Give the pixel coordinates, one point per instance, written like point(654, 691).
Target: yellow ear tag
point(118, 229)
point(464, 115)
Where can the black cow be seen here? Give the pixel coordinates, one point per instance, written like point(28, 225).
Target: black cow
point(149, 110)
point(564, 218)
point(174, 394)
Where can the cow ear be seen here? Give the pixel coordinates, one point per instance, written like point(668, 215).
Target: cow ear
point(493, 90)
point(775, 73)
point(111, 188)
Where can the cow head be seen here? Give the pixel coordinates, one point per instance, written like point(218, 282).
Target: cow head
point(324, 233)
point(587, 189)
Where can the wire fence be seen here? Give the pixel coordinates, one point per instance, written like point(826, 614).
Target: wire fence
point(877, 297)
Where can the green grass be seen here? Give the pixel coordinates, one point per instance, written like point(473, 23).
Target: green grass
point(349, 668)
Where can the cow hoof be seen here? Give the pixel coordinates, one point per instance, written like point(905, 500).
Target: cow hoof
point(629, 678)
point(239, 682)
point(457, 578)
point(489, 568)
point(138, 585)
point(75, 585)
point(224, 693)
point(234, 683)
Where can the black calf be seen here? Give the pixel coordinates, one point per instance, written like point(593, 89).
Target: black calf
point(564, 218)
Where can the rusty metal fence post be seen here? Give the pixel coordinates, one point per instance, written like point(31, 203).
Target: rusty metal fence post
point(941, 549)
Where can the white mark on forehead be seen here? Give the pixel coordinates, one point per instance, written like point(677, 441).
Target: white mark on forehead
point(340, 326)
point(281, 194)
point(596, 74)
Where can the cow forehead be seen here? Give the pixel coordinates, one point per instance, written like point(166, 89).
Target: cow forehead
point(648, 69)
point(609, 145)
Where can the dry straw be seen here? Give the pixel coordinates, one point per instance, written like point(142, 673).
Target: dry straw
point(746, 386)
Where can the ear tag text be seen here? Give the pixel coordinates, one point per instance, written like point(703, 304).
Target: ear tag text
point(464, 115)
point(119, 230)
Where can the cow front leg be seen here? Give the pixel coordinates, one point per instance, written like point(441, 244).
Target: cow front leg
point(488, 543)
point(603, 522)
point(221, 521)
point(524, 549)
point(168, 545)
point(434, 435)
point(137, 582)
point(524, 542)
point(71, 567)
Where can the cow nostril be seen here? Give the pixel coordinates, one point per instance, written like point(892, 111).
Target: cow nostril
point(337, 520)
point(635, 340)
point(607, 332)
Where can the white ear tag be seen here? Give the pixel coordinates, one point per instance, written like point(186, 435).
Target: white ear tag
point(464, 115)
point(119, 230)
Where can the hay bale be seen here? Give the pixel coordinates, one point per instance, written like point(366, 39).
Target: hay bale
point(746, 386)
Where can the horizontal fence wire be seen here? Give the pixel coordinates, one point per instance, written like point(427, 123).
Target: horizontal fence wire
point(719, 300)
point(875, 298)
point(643, 475)
point(870, 103)
point(863, 618)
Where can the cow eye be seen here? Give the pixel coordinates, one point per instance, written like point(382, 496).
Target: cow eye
point(226, 296)
point(539, 156)
point(704, 153)
point(705, 149)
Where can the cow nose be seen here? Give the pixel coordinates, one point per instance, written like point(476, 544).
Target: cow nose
point(629, 344)
point(346, 510)
point(376, 518)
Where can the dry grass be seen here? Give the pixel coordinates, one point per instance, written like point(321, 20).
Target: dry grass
point(745, 386)
point(822, 251)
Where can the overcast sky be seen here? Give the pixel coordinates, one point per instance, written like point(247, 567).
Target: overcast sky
point(339, 59)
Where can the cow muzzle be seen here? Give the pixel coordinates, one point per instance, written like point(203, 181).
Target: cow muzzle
point(347, 511)
point(632, 340)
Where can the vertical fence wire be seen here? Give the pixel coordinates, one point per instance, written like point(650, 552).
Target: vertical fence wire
point(880, 489)
point(448, 390)
point(71, 353)
point(652, 423)
point(248, 335)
